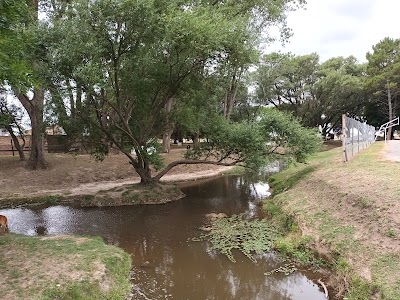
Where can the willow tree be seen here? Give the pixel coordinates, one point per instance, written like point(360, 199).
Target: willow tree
point(132, 57)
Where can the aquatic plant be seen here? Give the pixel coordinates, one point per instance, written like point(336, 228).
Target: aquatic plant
point(247, 236)
point(286, 269)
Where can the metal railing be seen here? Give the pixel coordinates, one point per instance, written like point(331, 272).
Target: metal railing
point(384, 127)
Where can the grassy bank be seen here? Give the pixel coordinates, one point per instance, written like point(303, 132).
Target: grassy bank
point(124, 195)
point(62, 267)
point(350, 214)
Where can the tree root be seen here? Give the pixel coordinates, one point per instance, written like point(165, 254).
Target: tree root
point(324, 287)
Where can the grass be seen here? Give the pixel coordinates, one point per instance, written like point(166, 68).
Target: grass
point(62, 267)
point(135, 194)
point(348, 211)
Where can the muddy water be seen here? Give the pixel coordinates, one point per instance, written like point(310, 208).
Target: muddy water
point(166, 263)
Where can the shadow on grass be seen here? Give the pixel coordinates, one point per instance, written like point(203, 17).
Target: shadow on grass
point(286, 180)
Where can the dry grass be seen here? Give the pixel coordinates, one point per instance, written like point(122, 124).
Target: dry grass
point(69, 172)
point(353, 208)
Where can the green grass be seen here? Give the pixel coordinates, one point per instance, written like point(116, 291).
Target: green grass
point(288, 178)
point(63, 267)
point(237, 170)
point(27, 201)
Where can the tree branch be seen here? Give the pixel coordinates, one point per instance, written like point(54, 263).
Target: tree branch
point(192, 162)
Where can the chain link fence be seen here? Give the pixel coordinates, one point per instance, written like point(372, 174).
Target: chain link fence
point(356, 137)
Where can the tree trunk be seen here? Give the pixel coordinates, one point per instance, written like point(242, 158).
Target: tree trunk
point(145, 176)
point(196, 141)
point(34, 108)
point(36, 157)
point(166, 144)
point(230, 96)
point(15, 140)
point(20, 148)
point(142, 168)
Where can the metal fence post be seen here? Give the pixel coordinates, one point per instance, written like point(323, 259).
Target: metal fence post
point(344, 138)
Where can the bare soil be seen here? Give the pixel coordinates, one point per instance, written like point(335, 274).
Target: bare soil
point(75, 175)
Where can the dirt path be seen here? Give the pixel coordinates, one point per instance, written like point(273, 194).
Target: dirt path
point(392, 150)
point(95, 187)
point(82, 175)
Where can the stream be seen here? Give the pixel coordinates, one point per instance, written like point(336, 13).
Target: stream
point(166, 263)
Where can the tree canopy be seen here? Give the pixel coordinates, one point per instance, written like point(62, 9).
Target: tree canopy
point(128, 59)
point(310, 89)
point(383, 69)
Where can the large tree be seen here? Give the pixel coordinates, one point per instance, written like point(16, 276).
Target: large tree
point(383, 71)
point(318, 94)
point(21, 53)
point(131, 58)
point(339, 89)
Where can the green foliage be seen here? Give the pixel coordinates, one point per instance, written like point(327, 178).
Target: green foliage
point(339, 90)
point(383, 76)
point(308, 89)
point(282, 79)
point(15, 67)
point(137, 56)
point(391, 232)
point(247, 236)
point(254, 143)
point(285, 131)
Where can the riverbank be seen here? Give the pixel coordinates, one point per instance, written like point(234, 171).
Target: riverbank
point(62, 267)
point(350, 214)
point(81, 179)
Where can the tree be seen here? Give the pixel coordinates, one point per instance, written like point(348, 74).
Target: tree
point(273, 135)
point(338, 90)
point(310, 90)
point(22, 51)
point(137, 56)
point(286, 80)
point(11, 119)
point(14, 65)
point(383, 71)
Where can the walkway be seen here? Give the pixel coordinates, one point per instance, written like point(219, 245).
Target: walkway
point(392, 150)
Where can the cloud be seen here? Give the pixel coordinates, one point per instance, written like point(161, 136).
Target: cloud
point(341, 35)
point(341, 27)
point(356, 9)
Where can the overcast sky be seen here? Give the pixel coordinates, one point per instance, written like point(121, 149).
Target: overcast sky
point(341, 27)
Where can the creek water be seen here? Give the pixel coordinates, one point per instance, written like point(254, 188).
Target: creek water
point(166, 263)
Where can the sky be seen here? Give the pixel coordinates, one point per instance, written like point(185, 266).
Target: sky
point(341, 27)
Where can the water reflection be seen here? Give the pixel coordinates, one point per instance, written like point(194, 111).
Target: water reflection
point(166, 263)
